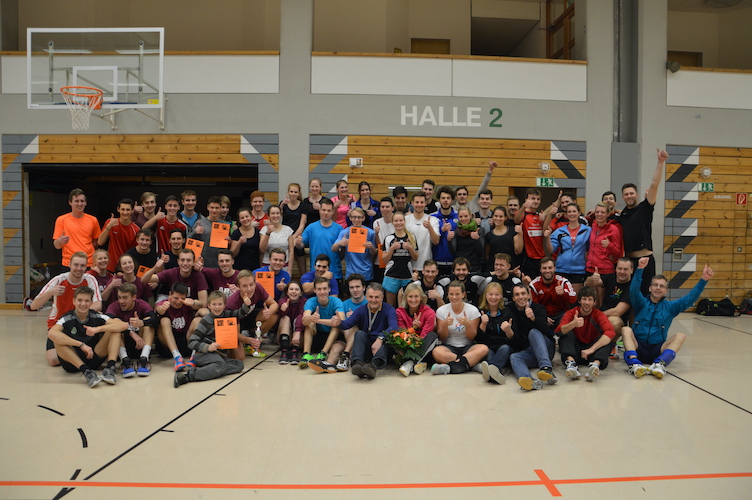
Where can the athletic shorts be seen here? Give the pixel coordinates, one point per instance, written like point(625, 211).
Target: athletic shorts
point(93, 363)
point(647, 353)
point(393, 285)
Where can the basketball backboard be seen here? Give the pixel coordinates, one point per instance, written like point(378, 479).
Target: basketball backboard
point(125, 63)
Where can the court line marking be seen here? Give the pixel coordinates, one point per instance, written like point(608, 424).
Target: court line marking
point(710, 393)
point(723, 326)
point(543, 480)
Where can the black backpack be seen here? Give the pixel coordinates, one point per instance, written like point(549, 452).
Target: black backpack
point(723, 307)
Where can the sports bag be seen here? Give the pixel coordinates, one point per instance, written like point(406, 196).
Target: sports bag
point(723, 307)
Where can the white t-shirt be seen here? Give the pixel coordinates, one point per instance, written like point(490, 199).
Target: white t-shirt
point(457, 336)
point(385, 228)
point(278, 239)
point(422, 237)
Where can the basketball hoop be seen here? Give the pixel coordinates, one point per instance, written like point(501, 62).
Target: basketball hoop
point(81, 101)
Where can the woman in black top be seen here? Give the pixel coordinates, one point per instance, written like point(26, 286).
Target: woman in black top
point(245, 242)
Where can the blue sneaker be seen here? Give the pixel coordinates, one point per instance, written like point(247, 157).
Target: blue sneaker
point(127, 367)
point(179, 364)
point(191, 362)
point(143, 367)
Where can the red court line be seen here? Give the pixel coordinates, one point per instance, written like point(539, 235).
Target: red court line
point(544, 481)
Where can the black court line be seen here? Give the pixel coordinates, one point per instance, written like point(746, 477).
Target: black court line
point(161, 429)
point(723, 326)
point(5, 399)
point(65, 491)
point(50, 409)
point(710, 393)
point(84, 441)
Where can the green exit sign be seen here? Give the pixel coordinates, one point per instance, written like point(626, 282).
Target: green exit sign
point(545, 182)
point(706, 187)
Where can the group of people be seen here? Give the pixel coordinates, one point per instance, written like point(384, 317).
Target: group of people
point(486, 288)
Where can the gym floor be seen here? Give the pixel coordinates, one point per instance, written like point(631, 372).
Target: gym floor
point(275, 430)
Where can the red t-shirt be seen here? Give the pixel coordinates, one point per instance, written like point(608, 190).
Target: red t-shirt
point(532, 235)
point(163, 228)
point(122, 238)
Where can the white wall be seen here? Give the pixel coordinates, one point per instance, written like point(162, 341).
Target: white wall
point(695, 32)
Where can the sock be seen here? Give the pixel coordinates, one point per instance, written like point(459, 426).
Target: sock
point(666, 357)
point(193, 353)
point(111, 363)
point(146, 351)
point(123, 353)
point(284, 341)
point(631, 361)
point(571, 362)
point(83, 368)
point(176, 353)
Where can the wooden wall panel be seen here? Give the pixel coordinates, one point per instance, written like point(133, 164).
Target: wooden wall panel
point(710, 227)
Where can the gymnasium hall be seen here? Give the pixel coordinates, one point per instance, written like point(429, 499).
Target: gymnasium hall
point(230, 97)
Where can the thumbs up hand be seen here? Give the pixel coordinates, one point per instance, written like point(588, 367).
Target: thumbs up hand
point(578, 322)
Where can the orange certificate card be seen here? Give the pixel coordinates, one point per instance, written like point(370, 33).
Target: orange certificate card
point(226, 332)
point(219, 231)
point(266, 280)
point(382, 265)
point(358, 236)
point(196, 245)
point(141, 271)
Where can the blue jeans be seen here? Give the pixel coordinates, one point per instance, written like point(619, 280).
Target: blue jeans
point(539, 354)
point(362, 350)
point(500, 357)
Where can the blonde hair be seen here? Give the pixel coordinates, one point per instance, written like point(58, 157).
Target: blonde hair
point(484, 303)
point(413, 287)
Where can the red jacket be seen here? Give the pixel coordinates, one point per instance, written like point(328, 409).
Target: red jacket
point(427, 318)
point(546, 295)
point(604, 258)
point(596, 324)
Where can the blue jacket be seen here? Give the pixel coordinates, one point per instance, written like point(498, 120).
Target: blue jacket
point(652, 321)
point(385, 320)
point(572, 258)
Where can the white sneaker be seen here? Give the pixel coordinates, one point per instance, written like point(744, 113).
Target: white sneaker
point(407, 367)
point(572, 371)
point(638, 370)
point(484, 370)
point(593, 372)
point(440, 369)
point(420, 367)
point(657, 370)
point(495, 374)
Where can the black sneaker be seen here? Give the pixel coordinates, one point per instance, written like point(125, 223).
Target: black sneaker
point(283, 359)
point(126, 366)
point(179, 379)
point(369, 371)
point(143, 367)
point(294, 356)
point(357, 369)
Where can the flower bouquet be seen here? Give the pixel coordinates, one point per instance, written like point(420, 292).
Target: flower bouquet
point(406, 344)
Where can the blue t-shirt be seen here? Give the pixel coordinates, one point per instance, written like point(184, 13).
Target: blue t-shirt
point(441, 252)
point(282, 275)
point(311, 275)
point(319, 239)
point(361, 263)
point(326, 312)
point(350, 306)
point(189, 221)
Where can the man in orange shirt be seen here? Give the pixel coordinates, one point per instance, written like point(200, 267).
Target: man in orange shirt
point(76, 231)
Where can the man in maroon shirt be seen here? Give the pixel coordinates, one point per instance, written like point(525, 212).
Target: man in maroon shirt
point(141, 320)
point(264, 309)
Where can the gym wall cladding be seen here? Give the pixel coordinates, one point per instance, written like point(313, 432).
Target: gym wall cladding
point(172, 150)
point(707, 220)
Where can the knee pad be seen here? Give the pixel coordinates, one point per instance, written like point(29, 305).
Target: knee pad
point(284, 341)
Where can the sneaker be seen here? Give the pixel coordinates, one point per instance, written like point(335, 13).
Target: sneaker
point(546, 374)
point(407, 367)
point(593, 372)
point(92, 378)
point(303, 363)
point(294, 356)
point(440, 369)
point(257, 354)
point(484, 371)
point(283, 359)
point(420, 367)
point(179, 379)
point(476, 368)
point(321, 366)
point(126, 368)
point(495, 374)
point(572, 371)
point(191, 363)
point(143, 367)
point(179, 364)
point(657, 370)
point(108, 375)
point(369, 371)
point(344, 363)
point(614, 352)
point(357, 369)
point(322, 355)
point(528, 384)
point(638, 370)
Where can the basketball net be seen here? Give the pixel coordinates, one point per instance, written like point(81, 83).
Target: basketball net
point(81, 101)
